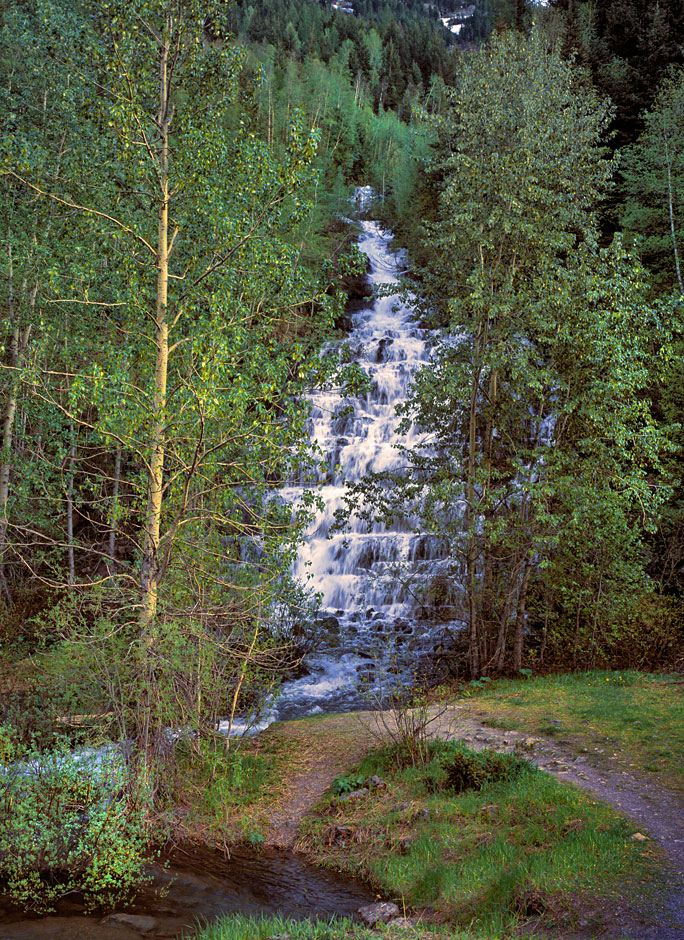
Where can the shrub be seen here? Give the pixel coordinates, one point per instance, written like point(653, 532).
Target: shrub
point(66, 826)
point(472, 770)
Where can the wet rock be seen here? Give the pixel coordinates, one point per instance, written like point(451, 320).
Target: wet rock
point(138, 922)
point(331, 624)
point(380, 913)
point(354, 795)
point(384, 353)
point(344, 323)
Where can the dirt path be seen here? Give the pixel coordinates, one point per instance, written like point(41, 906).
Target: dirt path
point(335, 744)
point(657, 812)
point(324, 750)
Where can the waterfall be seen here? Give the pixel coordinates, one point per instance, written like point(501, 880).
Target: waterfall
point(373, 624)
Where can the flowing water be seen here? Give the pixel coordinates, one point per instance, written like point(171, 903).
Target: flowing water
point(198, 887)
point(375, 623)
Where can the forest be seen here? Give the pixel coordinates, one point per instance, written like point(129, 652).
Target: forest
point(181, 284)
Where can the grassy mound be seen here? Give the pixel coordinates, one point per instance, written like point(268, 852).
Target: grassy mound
point(486, 840)
point(238, 927)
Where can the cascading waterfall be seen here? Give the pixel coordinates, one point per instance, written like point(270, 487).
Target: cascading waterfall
point(373, 625)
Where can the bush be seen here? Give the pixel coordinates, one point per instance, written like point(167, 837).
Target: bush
point(472, 770)
point(66, 826)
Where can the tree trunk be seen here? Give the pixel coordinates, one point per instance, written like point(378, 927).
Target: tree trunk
point(18, 345)
point(151, 535)
point(146, 730)
point(518, 643)
point(471, 555)
point(670, 206)
point(70, 503)
point(114, 524)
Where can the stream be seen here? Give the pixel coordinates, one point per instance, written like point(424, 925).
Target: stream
point(199, 886)
point(375, 625)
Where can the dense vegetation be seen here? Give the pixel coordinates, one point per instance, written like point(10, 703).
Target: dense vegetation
point(173, 181)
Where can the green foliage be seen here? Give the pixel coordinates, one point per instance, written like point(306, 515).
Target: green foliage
point(472, 770)
point(653, 182)
point(345, 783)
point(542, 444)
point(66, 826)
point(166, 377)
point(629, 45)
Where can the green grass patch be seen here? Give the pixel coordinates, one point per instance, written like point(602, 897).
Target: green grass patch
point(635, 717)
point(484, 839)
point(239, 927)
point(226, 794)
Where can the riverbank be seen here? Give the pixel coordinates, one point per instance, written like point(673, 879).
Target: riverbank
point(530, 854)
point(624, 870)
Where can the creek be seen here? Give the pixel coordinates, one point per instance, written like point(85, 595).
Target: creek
point(199, 886)
point(376, 624)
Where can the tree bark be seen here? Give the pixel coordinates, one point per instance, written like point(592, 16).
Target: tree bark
point(146, 723)
point(519, 641)
point(18, 345)
point(151, 535)
point(471, 555)
point(71, 465)
point(670, 206)
point(114, 524)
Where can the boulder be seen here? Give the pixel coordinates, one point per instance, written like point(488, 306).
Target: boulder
point(380, 913)
point(138, 922)
point(354, 795)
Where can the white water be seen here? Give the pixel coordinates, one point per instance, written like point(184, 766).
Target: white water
point(375, 624)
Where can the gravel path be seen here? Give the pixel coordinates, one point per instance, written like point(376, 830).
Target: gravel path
point(657, 812)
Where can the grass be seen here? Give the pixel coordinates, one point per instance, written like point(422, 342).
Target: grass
point(226, 795)
point(637, 718)
point(488, 860)
point(238, 927)
point(228, 798)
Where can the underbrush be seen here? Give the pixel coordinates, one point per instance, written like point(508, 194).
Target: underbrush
point(638, 717)
point(486, 840)
point(68, 826)
point(225, 796)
